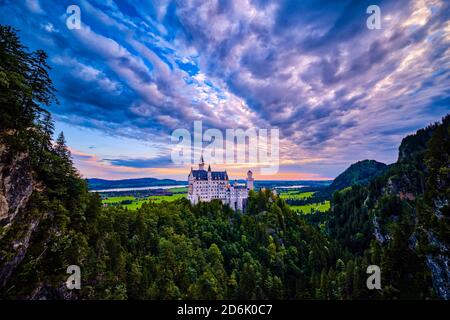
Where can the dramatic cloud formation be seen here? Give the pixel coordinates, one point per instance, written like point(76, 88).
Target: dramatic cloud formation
point(338, 92)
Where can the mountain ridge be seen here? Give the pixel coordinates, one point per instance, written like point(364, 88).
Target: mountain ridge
point(361, 172)
point(99, 184)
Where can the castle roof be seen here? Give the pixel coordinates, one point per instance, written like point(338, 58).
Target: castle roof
point(215, 175)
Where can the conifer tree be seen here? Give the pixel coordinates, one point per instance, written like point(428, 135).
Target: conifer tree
point(61, 148)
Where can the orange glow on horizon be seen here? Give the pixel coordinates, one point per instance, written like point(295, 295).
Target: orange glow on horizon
point(90, 165)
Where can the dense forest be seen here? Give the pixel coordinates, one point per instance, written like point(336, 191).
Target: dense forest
point(48, 221)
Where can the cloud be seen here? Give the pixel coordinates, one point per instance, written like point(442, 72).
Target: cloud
point(323, 68)
point(49, 27)
point(158, 162)
point(335, 89)
point(34, 6)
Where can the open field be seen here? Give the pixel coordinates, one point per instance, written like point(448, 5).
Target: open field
point(137, 203)
point(116, 200)
point(172, 197)
point(178, 190)
point(294, 194)
point(322, 207)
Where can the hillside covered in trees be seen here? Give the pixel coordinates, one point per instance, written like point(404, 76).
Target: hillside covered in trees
point(402, 217)
point(361, 172)
point(48, 221)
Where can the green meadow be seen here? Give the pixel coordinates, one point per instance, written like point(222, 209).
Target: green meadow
point(173, 197)
point(117, 200)
point(179, 190)
point(305, 209)
point(137, 203)
point(322, 207)
point(294, 195)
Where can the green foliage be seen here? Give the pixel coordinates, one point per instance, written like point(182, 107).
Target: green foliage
point(405, 210)
point(295, 195)
point(174, 250)
point(55, 214)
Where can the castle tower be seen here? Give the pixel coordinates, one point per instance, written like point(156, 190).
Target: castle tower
point(209, 172)
point(250, 180)
point(190, 181)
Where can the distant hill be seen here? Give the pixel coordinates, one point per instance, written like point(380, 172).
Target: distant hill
point(360, 173)
point(270, 184)
point(100, 184)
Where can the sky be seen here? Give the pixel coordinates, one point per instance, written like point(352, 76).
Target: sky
point(338, 91)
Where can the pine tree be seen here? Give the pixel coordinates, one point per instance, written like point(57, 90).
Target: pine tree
point(44, 139)
point(14, 66)
point(40, 82)
point(26, 88)
point(61, 148)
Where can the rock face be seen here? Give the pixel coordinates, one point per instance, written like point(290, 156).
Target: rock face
point(439, 264)
point(16, 184)
point(49, 292)
point(16, 188)
point(21, 219)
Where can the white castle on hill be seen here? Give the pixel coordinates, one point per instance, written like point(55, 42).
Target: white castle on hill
point(206, 185)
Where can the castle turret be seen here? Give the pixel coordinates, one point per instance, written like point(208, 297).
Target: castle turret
point(250, 180)
point(209, 172)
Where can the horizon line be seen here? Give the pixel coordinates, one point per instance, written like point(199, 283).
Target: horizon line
point(324, 179)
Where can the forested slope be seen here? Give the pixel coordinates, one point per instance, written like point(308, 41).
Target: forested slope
point(403, 215)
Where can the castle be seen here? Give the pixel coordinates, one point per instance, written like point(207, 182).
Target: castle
point(206, 185)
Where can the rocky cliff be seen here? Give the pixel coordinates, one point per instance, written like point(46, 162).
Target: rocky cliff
point(16, 187)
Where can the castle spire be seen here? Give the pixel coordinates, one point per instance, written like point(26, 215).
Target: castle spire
point(250, 180)
point(209, 167)
point(201, 165)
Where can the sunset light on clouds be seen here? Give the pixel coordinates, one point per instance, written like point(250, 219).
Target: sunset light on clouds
point(337, 91)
